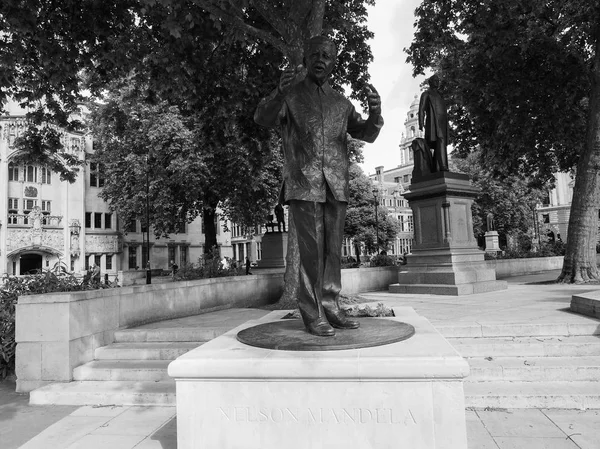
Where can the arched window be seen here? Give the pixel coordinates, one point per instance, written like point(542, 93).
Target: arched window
point(412, 131)
point(13, 172)
point(46, 179)
point(31, 173)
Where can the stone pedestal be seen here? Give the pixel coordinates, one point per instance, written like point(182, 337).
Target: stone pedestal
point(274, 250)
point(402, 395)
point(492, 244)
point(445, 259)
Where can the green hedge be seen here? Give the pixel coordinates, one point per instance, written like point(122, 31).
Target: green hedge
point(11, 288)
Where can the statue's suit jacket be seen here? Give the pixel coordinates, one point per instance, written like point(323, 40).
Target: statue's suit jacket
point(314, 122)
point(432, 114)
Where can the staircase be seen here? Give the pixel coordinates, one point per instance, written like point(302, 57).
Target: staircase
point(512, 365)
point(535, 367)
point(133, 370)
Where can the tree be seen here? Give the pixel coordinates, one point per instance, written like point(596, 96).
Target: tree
point(361, 224)
point(511, 200)
point(523, 83)
point(104, 41)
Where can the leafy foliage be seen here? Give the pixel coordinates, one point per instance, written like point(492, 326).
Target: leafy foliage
point(360, 222)
point(523, 83)
point(47, 281)
point(511, 199)
point(210, 265)
point(516, 77)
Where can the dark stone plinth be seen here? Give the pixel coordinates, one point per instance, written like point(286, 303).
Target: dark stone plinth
point(445, 259)
point(274, 249)
point(291, 335)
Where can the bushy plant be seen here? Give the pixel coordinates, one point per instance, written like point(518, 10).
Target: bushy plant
point(55, 280)
point(381, 260)
point(210, 265)
point(544, 250)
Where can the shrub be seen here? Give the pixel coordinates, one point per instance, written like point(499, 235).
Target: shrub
point(55, 280)
point(210, 265)
point(380, 260)
point(545, 250)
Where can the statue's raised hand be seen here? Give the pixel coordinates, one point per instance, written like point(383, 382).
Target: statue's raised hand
point(373, 100)
point(287, 79)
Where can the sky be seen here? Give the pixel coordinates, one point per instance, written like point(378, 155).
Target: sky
point(392, 22)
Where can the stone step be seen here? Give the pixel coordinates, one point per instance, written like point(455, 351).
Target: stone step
point(554, 395)
point(475, 330)
point(449, 289)
point(145, 350)
point(534, 369)
point(106, 393)
point(126, 370)
point(188, 334)
point(527, 346)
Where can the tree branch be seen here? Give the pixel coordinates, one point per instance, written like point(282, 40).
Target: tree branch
point(315, 19)
point(267, 11)
point(239, 23)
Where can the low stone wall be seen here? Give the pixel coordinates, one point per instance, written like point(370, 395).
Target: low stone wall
point(516, 267)
point(359, 280)
point(60, 331)
point(57, 332)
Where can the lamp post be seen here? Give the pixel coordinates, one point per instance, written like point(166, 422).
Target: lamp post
point(376, 198)
point(148, 272)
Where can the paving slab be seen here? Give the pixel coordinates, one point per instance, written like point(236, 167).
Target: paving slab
point(527, 302)
point(19, 421)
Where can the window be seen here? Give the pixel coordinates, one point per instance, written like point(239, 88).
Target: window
point(28, 205)
point(130, 226)
point(13, 172)
point(108, 262)
point(410, 223)
point(31, 173)
point(258, 251)
point(183, 256)
point(97, 220)
point(96, 176)
point(405, 178)
point(46, 207)
point(46, 175)
point(88, 220)
point(87, 263)
point(97, 259)
point(132, 258)
point(107, 221)
point(13, 206)
point(171, 251)
point(411, 156)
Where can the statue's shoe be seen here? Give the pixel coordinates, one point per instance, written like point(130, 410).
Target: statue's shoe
point(340, 320)
point(320, 328)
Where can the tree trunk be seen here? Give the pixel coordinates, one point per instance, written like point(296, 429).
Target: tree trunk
point(357, 251)
point(580, 258)
point(210, 230)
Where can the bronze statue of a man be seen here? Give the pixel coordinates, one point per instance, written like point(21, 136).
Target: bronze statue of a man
point(314, 121)
point(433, 117)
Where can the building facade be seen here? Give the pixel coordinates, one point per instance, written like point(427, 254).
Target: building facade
point(552, 217)
point(392, 183)
point(45, 221)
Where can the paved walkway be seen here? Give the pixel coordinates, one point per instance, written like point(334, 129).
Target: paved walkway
point(526, 302)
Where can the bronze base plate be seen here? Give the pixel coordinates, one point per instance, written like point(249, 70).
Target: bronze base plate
point(291, 335)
